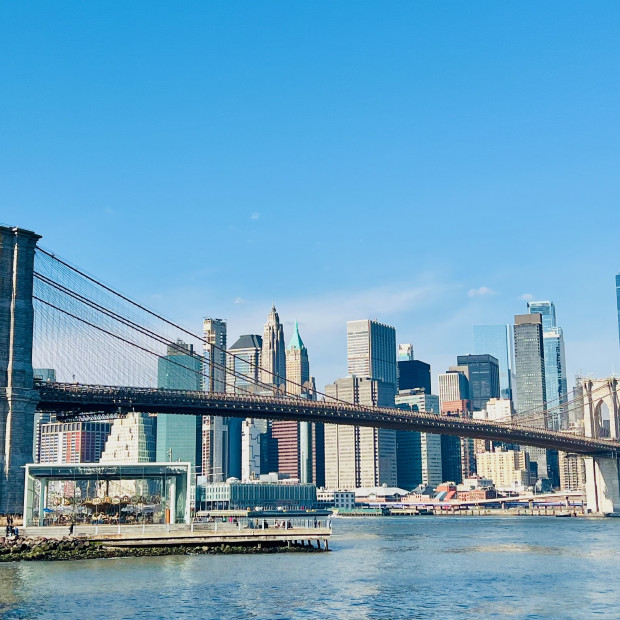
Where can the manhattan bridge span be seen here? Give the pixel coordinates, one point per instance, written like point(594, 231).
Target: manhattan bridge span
point(105, 349)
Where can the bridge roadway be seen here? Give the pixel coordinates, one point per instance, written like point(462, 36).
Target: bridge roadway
point(95, 402)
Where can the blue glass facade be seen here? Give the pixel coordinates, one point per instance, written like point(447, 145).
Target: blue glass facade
point(496, 340)
point(179, 437)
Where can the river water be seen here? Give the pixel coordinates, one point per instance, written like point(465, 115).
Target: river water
point(388, 567)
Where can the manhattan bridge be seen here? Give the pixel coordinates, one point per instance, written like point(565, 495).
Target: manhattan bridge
point(105, 348)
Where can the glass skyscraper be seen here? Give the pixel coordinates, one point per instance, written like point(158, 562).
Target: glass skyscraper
point(555, 364)
point(483, 372)
point(496, 341)
point(179, 437)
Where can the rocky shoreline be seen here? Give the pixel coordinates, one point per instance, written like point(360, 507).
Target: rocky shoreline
point(52, 549)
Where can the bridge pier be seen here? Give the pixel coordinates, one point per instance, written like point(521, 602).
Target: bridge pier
point(602, 485)
point(18, 399)
point(601, 419)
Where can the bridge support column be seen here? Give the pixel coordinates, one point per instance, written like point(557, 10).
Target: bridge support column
point(602, 485)
point(17, 397)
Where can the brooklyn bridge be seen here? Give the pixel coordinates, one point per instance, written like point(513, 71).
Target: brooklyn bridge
point(105, 346)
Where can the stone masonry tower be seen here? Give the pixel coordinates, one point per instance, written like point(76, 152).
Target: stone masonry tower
point(18, 399)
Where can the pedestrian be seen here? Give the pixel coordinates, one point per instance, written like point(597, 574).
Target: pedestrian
point(71, 529)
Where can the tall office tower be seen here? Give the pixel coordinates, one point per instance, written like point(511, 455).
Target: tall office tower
point(293, 440)
point(297, 365)
point(556, 385)
point(483, 374)
point(242, 377)
point(418, 454)
point(273, 354)
point(453, 386)
point(495, 340)
point(72, 442)
point(457, 454)
point(618, 302)
point(414, 374)
point(179, 437)
point(359, 456)
point(531, 387)
point(371, 351)
point(214, 428)
point(214, 352)
point(546, 309)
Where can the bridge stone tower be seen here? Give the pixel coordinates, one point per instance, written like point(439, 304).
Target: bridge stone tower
point(602, 472)
point(18, 399)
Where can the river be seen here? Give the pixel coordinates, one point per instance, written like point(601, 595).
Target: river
point(388, 567)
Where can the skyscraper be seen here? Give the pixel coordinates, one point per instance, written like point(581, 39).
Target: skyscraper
point(483, 374)
point(297, 365)
point(214, 352)
point(418, 454)
point(556, 385)
point(293, 440)
point(371, 351)
point(214, 428)
point(357, 456)
point(414, 374)
point(273, 354)
point(496, 341)
point(179, 437)
point(531, 386)
point(457, 454)
point(243, 375)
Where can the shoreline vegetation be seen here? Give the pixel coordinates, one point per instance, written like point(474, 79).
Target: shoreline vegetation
point(30, 549)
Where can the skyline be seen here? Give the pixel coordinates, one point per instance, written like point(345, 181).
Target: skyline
point(425, 168)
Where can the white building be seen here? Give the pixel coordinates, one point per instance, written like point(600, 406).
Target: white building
point(509, 469)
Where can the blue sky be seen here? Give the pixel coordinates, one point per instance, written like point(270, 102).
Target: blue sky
point(427, 164)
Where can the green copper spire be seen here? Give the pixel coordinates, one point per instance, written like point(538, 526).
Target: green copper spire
point(296, 341)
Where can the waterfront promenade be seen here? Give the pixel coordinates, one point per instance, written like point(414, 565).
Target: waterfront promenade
point(252, 532)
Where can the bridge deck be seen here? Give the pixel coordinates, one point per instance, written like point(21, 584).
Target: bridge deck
point(88, 402)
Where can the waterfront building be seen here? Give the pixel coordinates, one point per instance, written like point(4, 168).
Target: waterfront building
point(508, 469)
point(333, 498)
point(483, 376)
point(418, 454)
point(242, 377)
point(71, 442)
point(214, 428)
point(273, 354)
point(371, 351)
point(179, 437)
point(531, 386)
point(360, 456)
point(572, 471)
point(496, 340)
point(267, 493)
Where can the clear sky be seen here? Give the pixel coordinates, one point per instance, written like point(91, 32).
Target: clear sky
point(429, 164)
